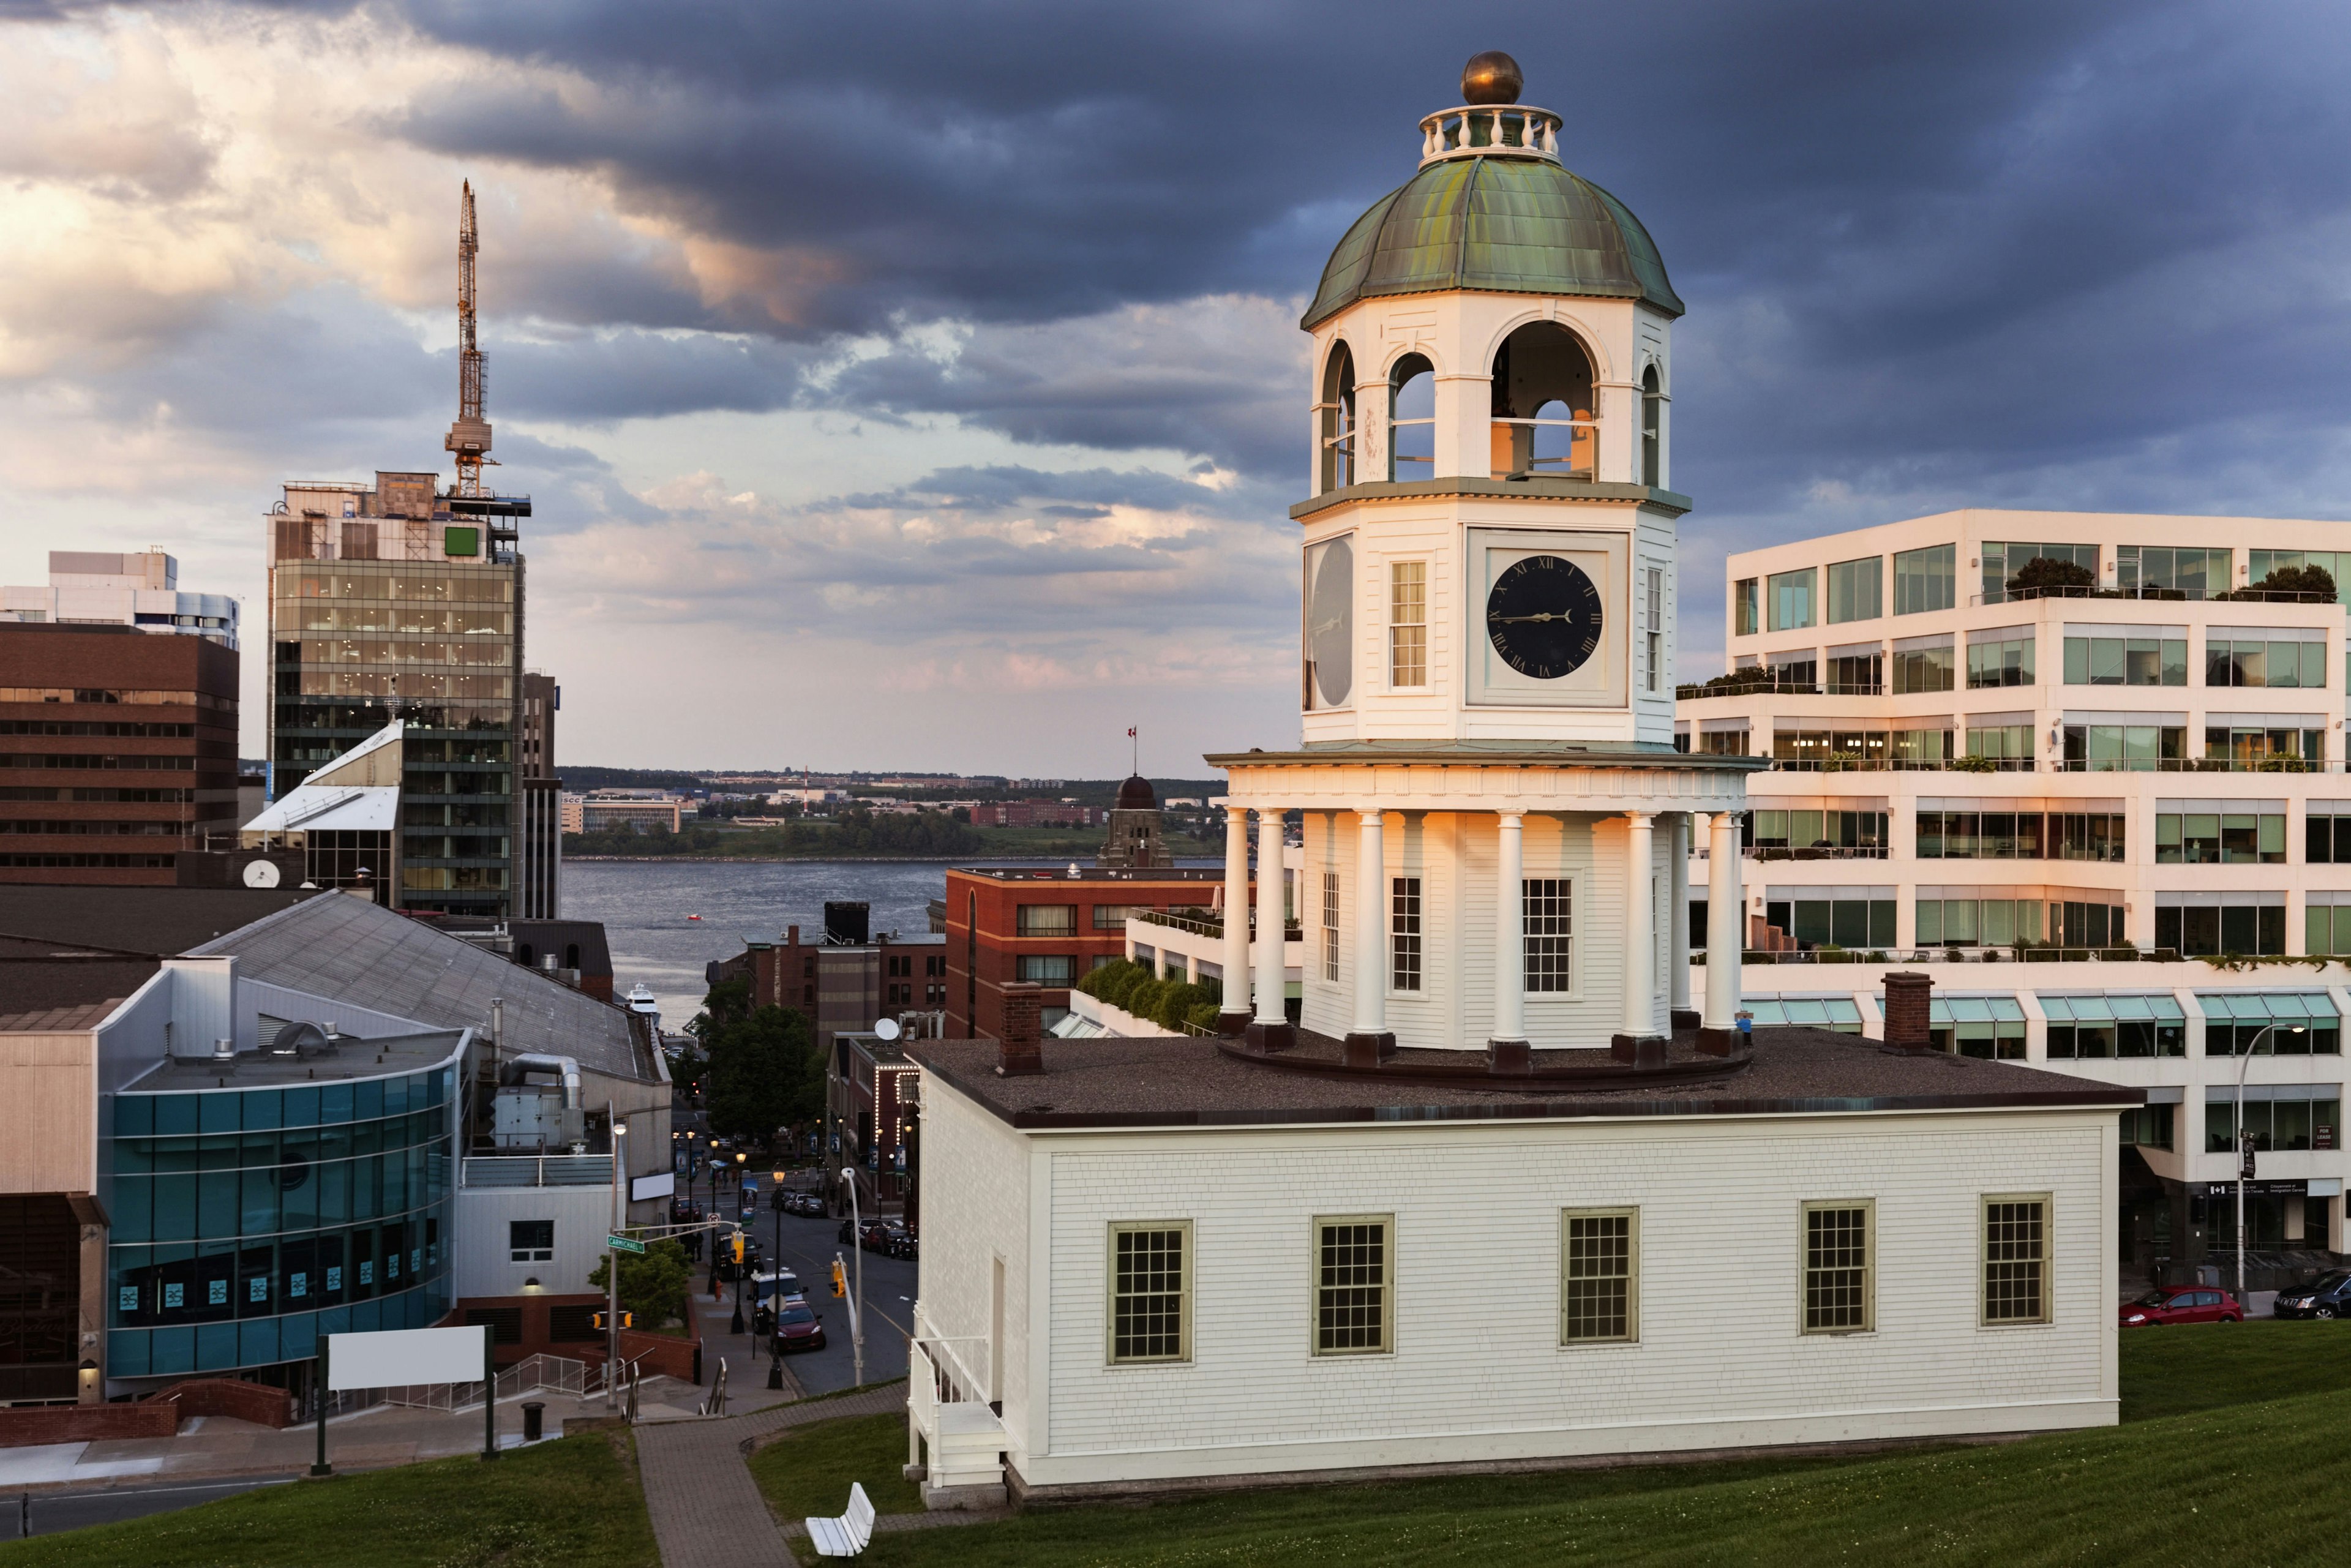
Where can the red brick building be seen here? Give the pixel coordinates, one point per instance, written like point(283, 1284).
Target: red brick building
point(117, 752)
point(842, 986)
point(1048, 926)
point(1035, 814)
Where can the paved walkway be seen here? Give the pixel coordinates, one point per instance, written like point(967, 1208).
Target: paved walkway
point(706, 1511)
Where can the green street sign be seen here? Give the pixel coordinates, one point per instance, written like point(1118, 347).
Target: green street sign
point(624, 1244)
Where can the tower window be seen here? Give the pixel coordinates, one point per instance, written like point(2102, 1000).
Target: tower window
point(1653, 429)
point(1404, 934)
point(1412, 419)
point(1542, 420)
point(1336, 419)
point(1408, 623)
point(1330, 925)
point(1548, 913)
point(1655, 610)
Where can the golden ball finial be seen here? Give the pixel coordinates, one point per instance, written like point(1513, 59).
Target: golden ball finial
point(1491, 78)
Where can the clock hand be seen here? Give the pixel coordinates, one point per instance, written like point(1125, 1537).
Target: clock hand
point(1546, 615)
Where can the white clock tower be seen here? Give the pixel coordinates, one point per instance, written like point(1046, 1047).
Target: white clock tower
point(1496, 819)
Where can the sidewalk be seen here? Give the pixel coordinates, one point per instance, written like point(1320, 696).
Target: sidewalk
point(706, 1510)
point(211, 1447)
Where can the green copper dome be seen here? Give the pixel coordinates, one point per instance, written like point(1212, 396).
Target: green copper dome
point(1511, 225)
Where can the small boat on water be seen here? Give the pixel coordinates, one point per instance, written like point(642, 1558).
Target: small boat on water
point(693, 917)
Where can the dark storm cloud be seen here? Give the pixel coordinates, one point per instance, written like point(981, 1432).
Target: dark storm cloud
point(2075, 255)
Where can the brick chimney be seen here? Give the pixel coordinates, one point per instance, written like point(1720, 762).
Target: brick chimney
point(1019, 1052)
point(1908, 1023)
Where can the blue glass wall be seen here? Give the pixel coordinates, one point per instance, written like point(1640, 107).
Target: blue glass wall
point(249, 1221)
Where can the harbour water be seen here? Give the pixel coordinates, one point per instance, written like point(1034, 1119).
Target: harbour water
point(646, 908)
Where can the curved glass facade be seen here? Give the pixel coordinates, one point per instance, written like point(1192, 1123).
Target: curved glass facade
point(249, 1221)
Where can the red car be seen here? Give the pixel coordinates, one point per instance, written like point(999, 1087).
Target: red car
point(798, 1328)
point(2183, 1304)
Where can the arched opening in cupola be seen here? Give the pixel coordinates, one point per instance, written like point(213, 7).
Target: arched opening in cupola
point(1336, 419)
point(1543, 411)
point(1653, 429)
point(1412, 419)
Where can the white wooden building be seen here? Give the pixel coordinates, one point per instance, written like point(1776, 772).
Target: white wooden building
point(1497, 1192)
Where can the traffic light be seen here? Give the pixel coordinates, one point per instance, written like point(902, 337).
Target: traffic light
point(738, 1247)
point(840, 1278)
point(604, 1321)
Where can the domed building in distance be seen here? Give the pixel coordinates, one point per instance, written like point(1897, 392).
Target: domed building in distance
point(1134, 839)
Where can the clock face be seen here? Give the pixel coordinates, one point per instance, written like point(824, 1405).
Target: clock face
point(1331, 622)
point(1543, 614)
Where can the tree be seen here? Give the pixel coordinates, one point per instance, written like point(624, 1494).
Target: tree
point(654, 1286)
point(764, 1074)
point(2298, 580)
point(2043, 573)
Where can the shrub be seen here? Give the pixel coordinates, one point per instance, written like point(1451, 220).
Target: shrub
point(1203, 1016)
point(2043, 573)
point(2299, 579)
point(1176, 1001)
point(1099, 983)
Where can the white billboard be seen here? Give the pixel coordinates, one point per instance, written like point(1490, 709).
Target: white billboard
point(644, 1186)
point(399, 1358)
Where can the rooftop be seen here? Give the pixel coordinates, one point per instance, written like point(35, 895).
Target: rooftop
point(151, 921)
point(352, 950)
point(353, 1058)
point(1187, 1081)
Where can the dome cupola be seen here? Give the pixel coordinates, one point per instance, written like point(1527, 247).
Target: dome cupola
point(1493, 209)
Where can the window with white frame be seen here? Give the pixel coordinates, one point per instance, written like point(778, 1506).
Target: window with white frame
point(1547, 911)
point(1598, 1286)
point(1354, 1271)
point(1655, 613)
point(1330, 925)
point(2016, 1258)
point(1404, 934)
point(1839, 1287)
point(1408, 623)
point(1151, 1292)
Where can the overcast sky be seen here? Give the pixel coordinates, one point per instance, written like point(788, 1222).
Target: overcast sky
point(919, 385)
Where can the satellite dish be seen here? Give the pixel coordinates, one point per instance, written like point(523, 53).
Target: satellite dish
point(261, 873)
point(888, 1029)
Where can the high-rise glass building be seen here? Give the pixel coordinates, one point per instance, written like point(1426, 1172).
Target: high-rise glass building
point(394, 601)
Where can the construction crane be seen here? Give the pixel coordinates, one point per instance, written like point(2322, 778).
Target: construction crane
point(469, 438)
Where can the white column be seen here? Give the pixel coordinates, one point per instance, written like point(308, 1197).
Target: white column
point(1370, 925)
point(1235, 1007)
point(1640, 925)
point(1726, 924)
point(1270, 987)
point(1509, 932)
point(1677, 952)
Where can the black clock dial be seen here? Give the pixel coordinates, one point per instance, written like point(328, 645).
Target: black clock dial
point(1544, 616)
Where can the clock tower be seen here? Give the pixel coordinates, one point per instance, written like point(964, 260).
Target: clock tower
point(1497, 824)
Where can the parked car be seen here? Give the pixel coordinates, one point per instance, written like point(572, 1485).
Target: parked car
point(2182, 1304)
point(2329, 1296)
point(896, 1240)
point(806, 1203)
point(799, 1328)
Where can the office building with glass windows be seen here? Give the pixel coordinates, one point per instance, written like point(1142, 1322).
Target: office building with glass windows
point(393, 602)
point(2073, 761)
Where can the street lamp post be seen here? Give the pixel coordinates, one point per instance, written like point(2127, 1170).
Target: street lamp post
point(612, 1259)
point(857, 1303)
point(776, 1286)
point(2245, 1147)
point(734, 1323)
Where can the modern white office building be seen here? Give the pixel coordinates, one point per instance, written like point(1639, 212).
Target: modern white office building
point(2127, 770)
point(141, 589)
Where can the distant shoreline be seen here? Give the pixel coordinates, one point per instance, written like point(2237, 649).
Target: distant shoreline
point(787, 860)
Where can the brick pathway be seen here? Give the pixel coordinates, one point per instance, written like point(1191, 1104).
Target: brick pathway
point(706, 1511)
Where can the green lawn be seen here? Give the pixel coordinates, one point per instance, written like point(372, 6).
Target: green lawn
point(566, 1504)
point(2213, 1468)
point(807, 1471)
point(2203, 1367)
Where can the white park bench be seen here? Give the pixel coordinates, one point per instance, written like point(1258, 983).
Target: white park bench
point(845, 1536)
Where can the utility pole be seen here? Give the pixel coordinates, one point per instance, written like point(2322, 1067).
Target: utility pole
point(612, 1258)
